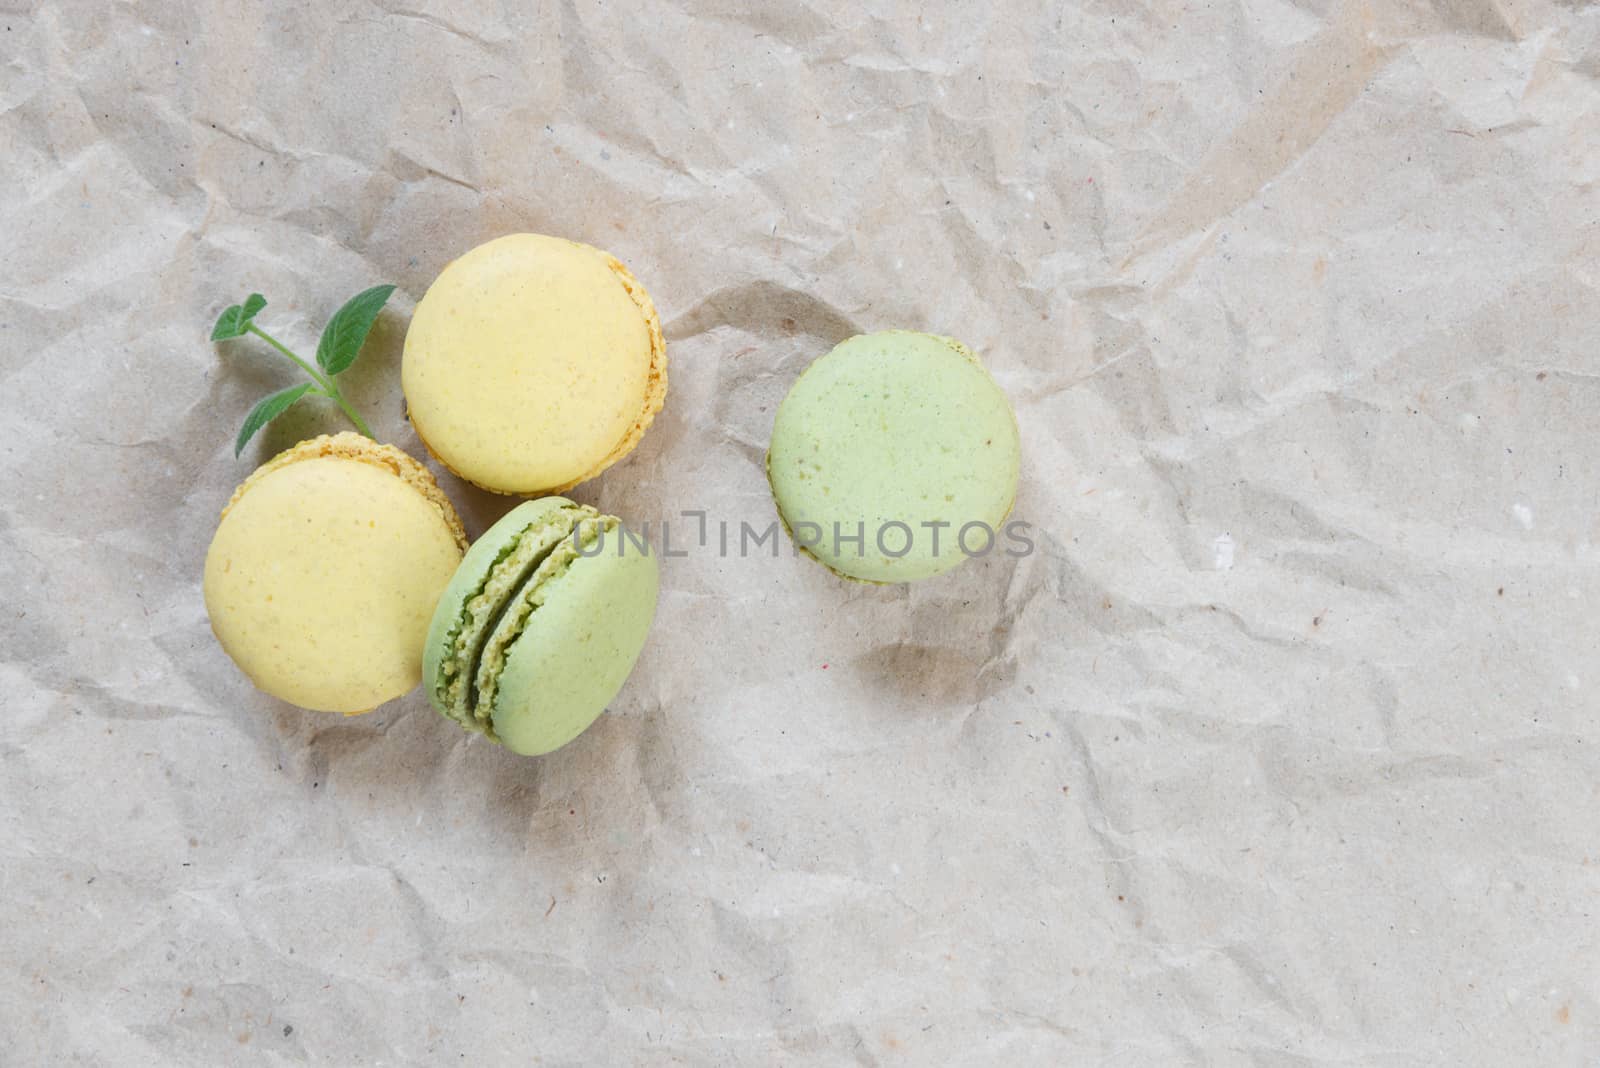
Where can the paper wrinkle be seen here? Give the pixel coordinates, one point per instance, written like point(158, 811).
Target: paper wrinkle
point(1279, 748)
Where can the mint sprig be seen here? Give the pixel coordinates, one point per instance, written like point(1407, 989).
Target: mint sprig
point(338, 348)
point(347, 330)
point(236, 320)
point(266, 410)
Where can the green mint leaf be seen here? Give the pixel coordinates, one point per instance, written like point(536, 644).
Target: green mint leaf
point(229, 324)
point(347, 331)
point(266, 410)
point(235, 319)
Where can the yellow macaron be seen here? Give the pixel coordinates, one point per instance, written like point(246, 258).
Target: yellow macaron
point(325, 570)
point(533, 363)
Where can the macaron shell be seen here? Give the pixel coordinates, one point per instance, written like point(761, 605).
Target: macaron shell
point(490, 574)
point(322, 578)
point(349, 445)
point(656, 379)
point(576, 649)
point(894, 427)
point(532, 363)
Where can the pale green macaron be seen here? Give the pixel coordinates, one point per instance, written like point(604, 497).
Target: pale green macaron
point(903, 441)
point(541, 625)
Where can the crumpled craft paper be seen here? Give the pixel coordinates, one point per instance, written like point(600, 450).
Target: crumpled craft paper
point(1279, 749)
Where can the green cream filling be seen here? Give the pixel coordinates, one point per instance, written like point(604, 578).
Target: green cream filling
point(502, 582)
point(532, 594)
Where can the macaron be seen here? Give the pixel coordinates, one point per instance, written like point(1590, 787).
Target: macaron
point(533, 364)
point(541, 625)
point(325, 569)
point(894, 457)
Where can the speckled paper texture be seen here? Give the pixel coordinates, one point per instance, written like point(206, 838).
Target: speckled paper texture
point(1279, 749)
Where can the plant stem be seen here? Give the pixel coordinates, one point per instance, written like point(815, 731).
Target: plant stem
point(327, 387)
point(355, 417)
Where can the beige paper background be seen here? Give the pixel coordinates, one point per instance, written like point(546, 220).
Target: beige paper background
point(1280, 750)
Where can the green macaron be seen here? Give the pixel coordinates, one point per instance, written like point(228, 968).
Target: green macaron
point(540, 626)
point(894, 457)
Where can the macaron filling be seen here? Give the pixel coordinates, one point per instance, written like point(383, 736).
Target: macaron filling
point(524, 602)
point(484, 607)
